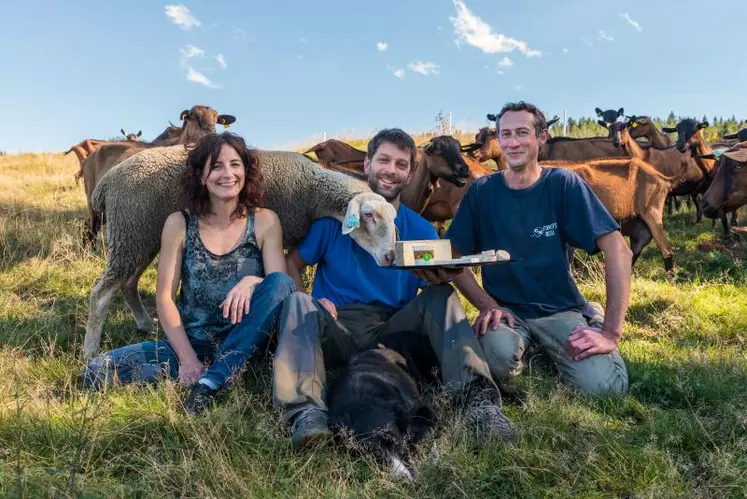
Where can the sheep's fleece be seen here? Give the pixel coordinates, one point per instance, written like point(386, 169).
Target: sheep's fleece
point(138, 194)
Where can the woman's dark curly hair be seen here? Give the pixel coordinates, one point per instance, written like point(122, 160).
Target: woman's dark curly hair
point(205, 153)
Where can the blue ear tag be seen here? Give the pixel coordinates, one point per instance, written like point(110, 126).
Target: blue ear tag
point(352, 221)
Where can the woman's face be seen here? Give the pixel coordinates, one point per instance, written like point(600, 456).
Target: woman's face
point(227, 177)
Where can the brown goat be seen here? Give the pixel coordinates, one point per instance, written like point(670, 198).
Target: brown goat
point(633, 192)
point(490, 149)
point(444, 202)
point(197, 122)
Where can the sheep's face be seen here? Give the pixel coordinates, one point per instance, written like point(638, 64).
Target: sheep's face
point(370, 222)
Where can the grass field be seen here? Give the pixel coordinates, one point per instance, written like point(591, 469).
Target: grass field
point(681, 431)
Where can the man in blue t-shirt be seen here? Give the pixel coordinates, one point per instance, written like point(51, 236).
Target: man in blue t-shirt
point(537, 213)
point(355, 304)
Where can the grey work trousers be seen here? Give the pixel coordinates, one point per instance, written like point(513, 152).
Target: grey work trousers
point(310, 340)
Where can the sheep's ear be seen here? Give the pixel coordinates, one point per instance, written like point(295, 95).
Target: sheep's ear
point(352, 218)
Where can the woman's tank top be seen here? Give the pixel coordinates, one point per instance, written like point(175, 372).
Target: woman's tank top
point(207, 278)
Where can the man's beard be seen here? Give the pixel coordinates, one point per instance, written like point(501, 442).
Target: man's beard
point(389, 195)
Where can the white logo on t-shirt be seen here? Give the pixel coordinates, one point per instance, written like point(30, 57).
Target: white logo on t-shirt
point(544, 230)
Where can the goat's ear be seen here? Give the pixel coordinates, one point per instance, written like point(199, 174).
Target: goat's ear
point(668, 129)
point(184, 115)
point(427, 147)
point(702, 125)
point(731, 136)
point(602, 123)
point(122, 130)
point(139, 133)
point(491, 117)
point(707, 156)
point(598, 111)
point(352, 218)
point(225, 119)
point(470, 147)
point(620, 111)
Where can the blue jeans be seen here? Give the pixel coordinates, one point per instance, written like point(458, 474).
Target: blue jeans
point(148, 361)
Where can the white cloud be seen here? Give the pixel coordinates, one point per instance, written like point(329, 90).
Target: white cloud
point(303, 40)
point(197, 77)
point(471, 29)
point(500, 72)
point(399, 72)
point(221, 61)
point(631, 21)
point(518, 87)
point(424, 68)
point(189, 52)
point(586, 41)
point(506, 63)
point(181, 16)
point(486, 67)
point(565, 50)
point(382, 46)
point(239, 34)
point(604, 36)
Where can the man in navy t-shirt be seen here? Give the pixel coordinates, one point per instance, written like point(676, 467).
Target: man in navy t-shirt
point(536, 213)
point(355, 304)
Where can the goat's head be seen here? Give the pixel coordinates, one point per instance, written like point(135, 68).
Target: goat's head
point(200, 121)
point(688, 133)
point(443, 157)
point(132, 137)
point(609, 116)
point(619, 133)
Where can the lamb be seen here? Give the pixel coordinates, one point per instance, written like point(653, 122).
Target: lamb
point(138, 194)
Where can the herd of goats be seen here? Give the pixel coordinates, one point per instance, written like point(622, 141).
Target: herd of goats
point(634, 170)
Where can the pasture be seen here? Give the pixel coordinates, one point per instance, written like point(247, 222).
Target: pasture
point(681, 431)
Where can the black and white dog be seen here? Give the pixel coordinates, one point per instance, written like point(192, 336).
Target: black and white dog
point(377, 397)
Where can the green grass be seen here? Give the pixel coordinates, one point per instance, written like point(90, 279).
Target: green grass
point(681, 431)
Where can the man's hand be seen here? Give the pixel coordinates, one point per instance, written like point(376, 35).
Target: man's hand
point(437, 275)
point(329, 306)
point(490, 318)
point(190, 372)
point(586, 341)
point(236, 304)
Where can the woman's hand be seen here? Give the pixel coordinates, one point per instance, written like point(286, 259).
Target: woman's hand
point(190, 372)
point(236, 304)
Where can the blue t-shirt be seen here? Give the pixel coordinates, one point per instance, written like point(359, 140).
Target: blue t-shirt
point(535, 225)
point(346, 274)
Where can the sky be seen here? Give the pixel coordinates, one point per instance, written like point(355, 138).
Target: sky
point(293, 70)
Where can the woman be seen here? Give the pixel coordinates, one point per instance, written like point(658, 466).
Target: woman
point(227, 253)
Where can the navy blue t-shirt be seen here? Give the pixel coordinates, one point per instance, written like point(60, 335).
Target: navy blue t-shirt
point(535, 225)
point(346, 274)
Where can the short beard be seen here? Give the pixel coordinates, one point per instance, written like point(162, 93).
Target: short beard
point(393, 195)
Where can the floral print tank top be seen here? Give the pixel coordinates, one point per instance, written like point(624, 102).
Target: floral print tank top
point(207, 278)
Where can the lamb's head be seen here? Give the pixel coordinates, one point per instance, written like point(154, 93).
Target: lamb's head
point(369, 221)
point(200, 121)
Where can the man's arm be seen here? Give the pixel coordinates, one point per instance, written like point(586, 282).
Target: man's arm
point(296, 265)
point(618, 263)
point(585, 341)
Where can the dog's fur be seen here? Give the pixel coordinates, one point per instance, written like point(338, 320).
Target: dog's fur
point(378, 399)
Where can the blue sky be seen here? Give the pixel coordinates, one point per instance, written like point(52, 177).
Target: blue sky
point(291, 70)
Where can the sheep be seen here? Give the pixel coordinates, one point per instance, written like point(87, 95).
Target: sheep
point(138, 194)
